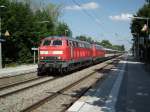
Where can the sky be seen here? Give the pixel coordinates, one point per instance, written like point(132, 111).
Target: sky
point(100, 19)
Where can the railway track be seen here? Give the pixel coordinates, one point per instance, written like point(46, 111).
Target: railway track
point(34, 107)
point(11, 76)
point(15, 80)
point(50, 97)
point(18, 83)
point(7, 94)
point(12, 89)
point(10, 81)
point(7, 81)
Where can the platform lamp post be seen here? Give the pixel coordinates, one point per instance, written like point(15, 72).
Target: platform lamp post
point(136, 42)
point(37, 49)
point(66, 32)
point(43, 22)
point(2, 6)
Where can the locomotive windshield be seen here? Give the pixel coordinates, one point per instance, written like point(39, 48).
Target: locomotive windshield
point(47, 42)
point(57, 42)
point(52, 43)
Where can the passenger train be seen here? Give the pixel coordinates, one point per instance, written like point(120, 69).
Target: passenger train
point(62, 54)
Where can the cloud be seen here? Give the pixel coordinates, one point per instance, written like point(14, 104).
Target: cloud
point(121, 17)
point(86, 6)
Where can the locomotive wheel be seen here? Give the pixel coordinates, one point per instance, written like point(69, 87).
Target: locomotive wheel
point(66, 70)
point(60, 71)
point(39, 73)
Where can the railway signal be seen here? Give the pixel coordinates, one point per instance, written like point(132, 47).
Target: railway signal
point(34, 54)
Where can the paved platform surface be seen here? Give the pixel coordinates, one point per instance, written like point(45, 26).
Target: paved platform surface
point(134, 95)
point(5, 72)
point(102, 97)
point(127, 89)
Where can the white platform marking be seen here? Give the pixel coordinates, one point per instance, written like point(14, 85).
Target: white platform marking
point(111, 101)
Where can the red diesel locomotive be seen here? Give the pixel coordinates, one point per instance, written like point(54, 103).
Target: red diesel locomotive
point(64, 54)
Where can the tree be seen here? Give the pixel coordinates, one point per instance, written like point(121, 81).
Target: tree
point(82, 38)
point(106, 43)
point(26, 28)
point(17, 19)
point(142, 50)
point(118, 47)
point(137, 24)
point(148, 1)
point(85, 38)
point(63, 30)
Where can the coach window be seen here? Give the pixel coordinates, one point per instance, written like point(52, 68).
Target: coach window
point(86, 45)
point(74, 44)
point(70, 43)
point(80, 44)
point(77, 44)
point(83, 45)
point(97, 47)
point(90, 46)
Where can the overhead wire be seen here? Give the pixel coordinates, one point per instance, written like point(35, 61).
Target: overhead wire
point(93, 16)
point(110, 32)
point(88, 14)
point(96, 20)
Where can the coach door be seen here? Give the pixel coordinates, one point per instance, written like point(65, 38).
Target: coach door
point(71, 49)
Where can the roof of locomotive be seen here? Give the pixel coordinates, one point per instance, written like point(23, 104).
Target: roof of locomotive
point(66, 38)
point(99, 46)
point(73, 39)
point(56, 37)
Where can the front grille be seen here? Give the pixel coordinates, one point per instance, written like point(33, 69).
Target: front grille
point(51, 58)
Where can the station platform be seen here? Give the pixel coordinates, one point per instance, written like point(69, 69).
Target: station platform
point(22, 69)
point(126, 89)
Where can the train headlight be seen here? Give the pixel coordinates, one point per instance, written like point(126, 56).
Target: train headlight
point(43, 52)
point(58, 57)
point(41, 57)
point(57, 52)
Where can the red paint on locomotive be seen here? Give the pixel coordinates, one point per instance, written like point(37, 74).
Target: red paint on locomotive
point(62, 52)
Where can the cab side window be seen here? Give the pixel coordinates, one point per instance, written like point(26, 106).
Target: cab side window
point(67, 43)
point(70, 43)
